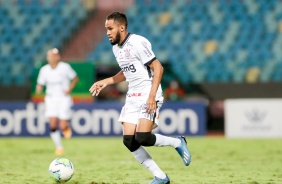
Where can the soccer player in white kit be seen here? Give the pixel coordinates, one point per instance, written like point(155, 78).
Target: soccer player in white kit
point(143, 72)
point(59, 79)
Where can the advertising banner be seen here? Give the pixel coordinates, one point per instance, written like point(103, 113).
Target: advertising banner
point(253, 118)
point(100, 119)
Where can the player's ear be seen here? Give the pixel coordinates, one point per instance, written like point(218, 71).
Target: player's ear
point(122, 28)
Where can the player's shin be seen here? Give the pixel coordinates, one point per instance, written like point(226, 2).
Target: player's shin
point(56, 137)
point(143, 157)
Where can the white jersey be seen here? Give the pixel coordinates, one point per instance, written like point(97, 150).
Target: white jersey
point(56, 80)
point(134, 56)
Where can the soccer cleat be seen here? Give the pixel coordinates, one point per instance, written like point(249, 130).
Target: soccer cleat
point(157, 180)
point(183, 151)
point(59, 151)
point(67, 133)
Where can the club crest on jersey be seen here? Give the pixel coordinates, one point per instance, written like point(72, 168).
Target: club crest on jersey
point(127, 54)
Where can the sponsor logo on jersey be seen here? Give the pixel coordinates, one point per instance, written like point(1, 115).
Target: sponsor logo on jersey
point(129, 68)
point(134, 94)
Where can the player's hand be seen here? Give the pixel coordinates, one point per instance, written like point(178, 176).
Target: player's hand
point(97, 87)
point(151, 105)
point(67, 92)
point(38, 88)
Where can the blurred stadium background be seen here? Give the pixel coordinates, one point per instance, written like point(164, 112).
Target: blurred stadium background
point(215, 49)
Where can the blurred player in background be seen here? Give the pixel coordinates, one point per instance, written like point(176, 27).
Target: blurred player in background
point(59, 79)
point(140, 114)
point(174, 92)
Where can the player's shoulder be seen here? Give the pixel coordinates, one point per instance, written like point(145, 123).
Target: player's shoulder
point(64, 64)
point(45, 67)
point(136, 37)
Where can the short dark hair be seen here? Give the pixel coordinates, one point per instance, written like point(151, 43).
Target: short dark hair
point(118, 17)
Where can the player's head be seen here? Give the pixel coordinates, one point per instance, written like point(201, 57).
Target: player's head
point(53, 56)
point(116, 25)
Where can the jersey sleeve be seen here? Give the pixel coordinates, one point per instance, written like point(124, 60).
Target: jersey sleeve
point(71, 73)
point(41, 77)
point(145, 52)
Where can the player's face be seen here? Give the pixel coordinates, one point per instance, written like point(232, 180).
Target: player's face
point(52, 58)
point(113, 31)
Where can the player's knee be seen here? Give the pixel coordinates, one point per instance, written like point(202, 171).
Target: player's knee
point(53, 129)
point(145, 138)
point(130, 143)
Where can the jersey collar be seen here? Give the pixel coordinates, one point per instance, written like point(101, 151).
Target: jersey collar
point(125, 39)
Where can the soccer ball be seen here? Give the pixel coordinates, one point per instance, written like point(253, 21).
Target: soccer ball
point(61, 170)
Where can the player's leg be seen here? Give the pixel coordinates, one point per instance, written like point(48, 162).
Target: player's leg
point(144, 134)
point(56, 135)
point(130, 113)
point(51, 112)
point(65, 112)
point(65, 128)
point(139, 152)
point(129, 136)
point(145, 137)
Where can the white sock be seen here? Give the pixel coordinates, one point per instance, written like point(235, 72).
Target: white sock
point(56, 137)
point(162, 140)
point(145, 159)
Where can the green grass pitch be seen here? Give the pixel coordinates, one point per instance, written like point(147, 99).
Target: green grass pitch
point(97, 160)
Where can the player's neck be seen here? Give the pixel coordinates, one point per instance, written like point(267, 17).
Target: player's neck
point(54, 65)
point(123, 37)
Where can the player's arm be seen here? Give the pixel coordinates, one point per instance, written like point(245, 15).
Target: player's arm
point(158, 70)
point(41, 81)
point(73, 83)
point(146, 55)
point(99, 85)
point(39, 88)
